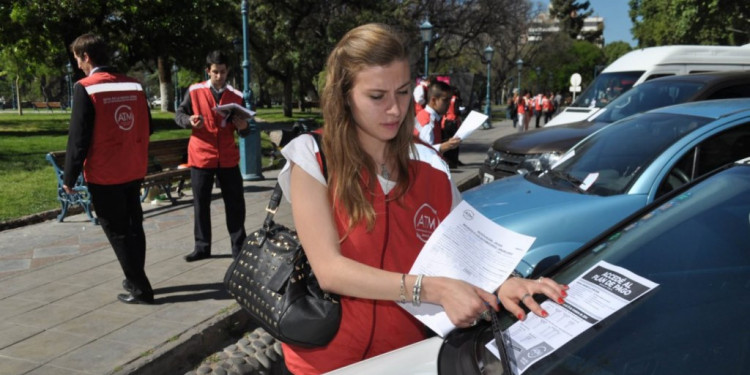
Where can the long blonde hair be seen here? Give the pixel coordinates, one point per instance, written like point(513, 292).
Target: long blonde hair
point(365, 46)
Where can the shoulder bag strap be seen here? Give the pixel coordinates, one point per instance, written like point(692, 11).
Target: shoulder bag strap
point(273, 203)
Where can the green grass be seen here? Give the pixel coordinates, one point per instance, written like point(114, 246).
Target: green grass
point(28, 180)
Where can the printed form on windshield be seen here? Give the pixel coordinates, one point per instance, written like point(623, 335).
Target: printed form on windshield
point(596, 294)
point(467, 246)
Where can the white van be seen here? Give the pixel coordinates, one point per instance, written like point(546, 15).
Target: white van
point(648, 63)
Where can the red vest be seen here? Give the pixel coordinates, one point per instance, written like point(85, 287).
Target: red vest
point(424, 118)
point(119, 143)
point(450, 114)
point(546, 104)
point(368, 327)
point(212, 146)
point(521, 105)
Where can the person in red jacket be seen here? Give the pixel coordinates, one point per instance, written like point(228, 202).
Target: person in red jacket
point(450, 123)
point(110, 124)
point(363, 226)
point(428, 123)
point(212, 152)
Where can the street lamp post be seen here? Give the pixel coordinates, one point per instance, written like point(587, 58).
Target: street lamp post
point(250, 158)
point(538, 76)
point(519, 63)
point(488, 52)
point(69, 78)
point(176, 69)
point(549, 81)
point(426, 30)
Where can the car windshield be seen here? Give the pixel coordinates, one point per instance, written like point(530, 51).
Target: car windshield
point(696, 247)
point(648, 96)
point(610, 160)
point(606, 87)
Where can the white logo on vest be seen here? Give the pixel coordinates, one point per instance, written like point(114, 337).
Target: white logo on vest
point(425, 222)
point(124, 117)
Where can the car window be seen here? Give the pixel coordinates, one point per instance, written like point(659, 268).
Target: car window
point(649, 96)
point(659, 75)
point(737, 91)
point(723, 148)
point(608, 162)
point(606, 87)
point(697, 248)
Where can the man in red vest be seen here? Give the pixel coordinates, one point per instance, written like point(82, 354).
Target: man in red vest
point(212, 151)
point(108, 138)
point(428, 126)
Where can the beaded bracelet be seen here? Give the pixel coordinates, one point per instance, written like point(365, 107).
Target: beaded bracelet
point(402, 294)
point(416, 298)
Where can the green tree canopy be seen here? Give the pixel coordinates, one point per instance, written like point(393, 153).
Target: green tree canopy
point(614, 50)
point(710, 22)
point(571, 14)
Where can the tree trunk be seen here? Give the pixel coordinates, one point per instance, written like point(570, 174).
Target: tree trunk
point(18, 96)
point(166, 91)
point(288, 96)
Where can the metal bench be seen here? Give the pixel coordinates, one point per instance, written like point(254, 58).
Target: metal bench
point(167, 168)
point(166, 162)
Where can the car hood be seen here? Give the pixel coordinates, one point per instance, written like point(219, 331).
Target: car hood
point(561, 221)
point(556, 138)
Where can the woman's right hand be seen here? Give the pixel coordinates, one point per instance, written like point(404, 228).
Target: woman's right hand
point(464, 303)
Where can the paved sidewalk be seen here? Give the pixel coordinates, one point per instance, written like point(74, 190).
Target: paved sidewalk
point(58, 284)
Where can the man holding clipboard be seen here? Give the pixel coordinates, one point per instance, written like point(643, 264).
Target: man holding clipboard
point(212, 151)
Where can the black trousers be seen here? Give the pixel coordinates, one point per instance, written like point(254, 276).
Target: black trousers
point(451, 156)
point(118, 208)
point(230, 183)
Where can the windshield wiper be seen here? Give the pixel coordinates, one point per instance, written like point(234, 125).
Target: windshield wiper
point(567, 177)
point(503, 342)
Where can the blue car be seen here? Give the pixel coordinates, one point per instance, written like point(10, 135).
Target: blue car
point(612, 173)
point(693, 242)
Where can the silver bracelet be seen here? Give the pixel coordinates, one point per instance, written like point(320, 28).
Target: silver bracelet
point(416, 298)
point(402, 291)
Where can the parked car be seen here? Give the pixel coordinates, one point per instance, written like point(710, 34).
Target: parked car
point(538, 149)
point(612, 173)
point(694, 243)
point(644, 64)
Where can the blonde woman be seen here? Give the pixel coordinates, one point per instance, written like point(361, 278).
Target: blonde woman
point(362, 227)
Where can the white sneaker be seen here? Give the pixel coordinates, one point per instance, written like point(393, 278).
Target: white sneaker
point(160, 200)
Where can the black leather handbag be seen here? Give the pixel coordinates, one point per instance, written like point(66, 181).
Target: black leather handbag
point(272, 280)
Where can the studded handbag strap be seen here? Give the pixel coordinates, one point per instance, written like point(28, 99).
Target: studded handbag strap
point(273, 203)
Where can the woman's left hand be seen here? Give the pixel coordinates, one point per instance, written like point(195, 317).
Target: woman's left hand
point(517, 290)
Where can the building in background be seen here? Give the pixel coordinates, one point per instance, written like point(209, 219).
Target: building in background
point(543, 25)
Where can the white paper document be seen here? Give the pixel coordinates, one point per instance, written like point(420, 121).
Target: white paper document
point(472, 122)
point(470, 247)
point(234, 109)
point(596, 294)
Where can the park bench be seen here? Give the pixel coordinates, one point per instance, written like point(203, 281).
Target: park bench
point(50, 106)
point(55, 105)
point(39, 105)
point(166, 162)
